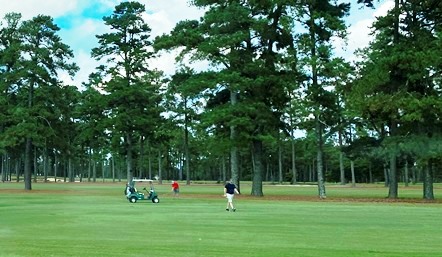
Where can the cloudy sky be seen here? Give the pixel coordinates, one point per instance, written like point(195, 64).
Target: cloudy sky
point(81, 20)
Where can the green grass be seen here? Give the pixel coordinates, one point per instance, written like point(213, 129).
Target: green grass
point(95, 220)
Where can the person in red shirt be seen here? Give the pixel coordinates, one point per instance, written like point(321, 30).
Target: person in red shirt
point(175, 188)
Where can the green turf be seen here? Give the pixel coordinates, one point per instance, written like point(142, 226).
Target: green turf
point(95, 220)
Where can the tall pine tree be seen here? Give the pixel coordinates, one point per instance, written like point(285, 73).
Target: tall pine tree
point(129, 82)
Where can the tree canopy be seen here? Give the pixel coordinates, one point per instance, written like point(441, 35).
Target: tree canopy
point(272, 73)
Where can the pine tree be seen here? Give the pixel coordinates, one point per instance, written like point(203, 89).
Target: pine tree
point(250, 50)
point(130, 85)
point(397, 86)
point(322, 20)
point(40, 56)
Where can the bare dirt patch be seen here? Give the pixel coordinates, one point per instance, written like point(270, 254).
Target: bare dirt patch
point(42, 192)
point(79, 190)
point(298, 198)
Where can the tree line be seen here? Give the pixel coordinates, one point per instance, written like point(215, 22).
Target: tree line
point(272, 72)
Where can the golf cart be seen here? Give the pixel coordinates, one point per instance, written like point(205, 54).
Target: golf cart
point(150, 194)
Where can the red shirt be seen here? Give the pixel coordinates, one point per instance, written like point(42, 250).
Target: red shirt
point(175, 185)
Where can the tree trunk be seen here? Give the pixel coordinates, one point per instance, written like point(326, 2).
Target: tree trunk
point(341, 159)
point(70, 170)
point(319, 160)
point(120, 168)
point(280, 163)
point(94, 171)
point(186, 142)
point(112, 163)
point(81, 167)
point(45, 164)
point(64, 171)
point(186, 152)
point(17, 169)
point(8, 168)
point(51, 165)
point(160, 175)
point(149, 160)
point(141, 173)
point(35, 173)
point(28, 163)
point(294, 171)
point(3, 160)
point(413, 175)
point(370, 173)
point(259, 168)
point(428, 181)
point(392, 178)
point(168, 165)
point(406, 178)
point(103, 169)
point(393, 181)
point(129, 158)
point(55, 166)
point(28, 145)
point(89, 168)
point(341, 167)
point(5, 168)
point(353, 178)
point(224, 169)
point(386, 176)
point(234, 163)
point(269, 174)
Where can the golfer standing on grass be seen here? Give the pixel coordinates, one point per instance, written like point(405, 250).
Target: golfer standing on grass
point(175, 188)
point(229, 192)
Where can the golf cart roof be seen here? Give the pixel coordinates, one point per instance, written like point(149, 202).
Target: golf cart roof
point(141, 180)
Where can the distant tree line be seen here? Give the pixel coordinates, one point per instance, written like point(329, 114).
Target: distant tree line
point(273, 72)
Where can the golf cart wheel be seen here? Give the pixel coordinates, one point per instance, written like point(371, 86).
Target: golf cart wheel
point(133, 199)
point(155, 200)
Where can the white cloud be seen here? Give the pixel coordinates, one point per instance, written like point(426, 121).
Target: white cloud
point(358, 37)
point(89, 27)
point(165, 63)
point(87, 65)
point(107, 4)
point(159, 23)
point(176, 9)
point(81, 38)
point(162, 17)
point(384, 8)
point(359, 33)
point(82, 35)
point(32, 8)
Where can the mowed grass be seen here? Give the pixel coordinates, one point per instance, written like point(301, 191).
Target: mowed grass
point(96, 220)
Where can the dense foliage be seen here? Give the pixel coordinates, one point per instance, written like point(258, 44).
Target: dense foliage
point(272, 73)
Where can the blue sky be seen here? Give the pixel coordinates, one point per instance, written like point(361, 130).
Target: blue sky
point(81, 20)
point(91, 11)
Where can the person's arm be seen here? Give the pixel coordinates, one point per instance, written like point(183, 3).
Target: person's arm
point(225, 191)
point(236, 191)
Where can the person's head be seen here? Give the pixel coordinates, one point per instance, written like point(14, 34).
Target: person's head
point(173, 181)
